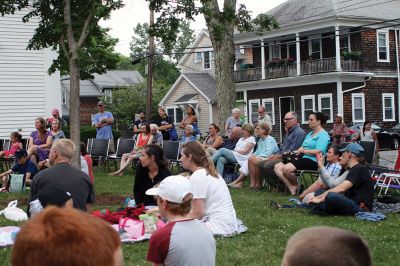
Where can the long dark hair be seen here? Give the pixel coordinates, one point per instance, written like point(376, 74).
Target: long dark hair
point(156, 151)
point(366, 123)
point(320, 117)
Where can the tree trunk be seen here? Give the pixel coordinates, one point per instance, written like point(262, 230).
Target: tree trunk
point(221, 34)
point(74, 107)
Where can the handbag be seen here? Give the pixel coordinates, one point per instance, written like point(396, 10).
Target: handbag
point(16, 183)
point(130, 228)
point(289, 157)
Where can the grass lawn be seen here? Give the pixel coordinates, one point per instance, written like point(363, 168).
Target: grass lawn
point(269, 229)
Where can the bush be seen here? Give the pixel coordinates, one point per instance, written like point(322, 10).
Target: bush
point(88, 132)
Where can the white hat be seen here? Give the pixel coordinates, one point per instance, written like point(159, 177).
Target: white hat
point(340, 115)
point(173, 188)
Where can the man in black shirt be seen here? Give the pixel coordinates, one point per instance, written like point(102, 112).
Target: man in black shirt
point(64, 177)
point(356, 193)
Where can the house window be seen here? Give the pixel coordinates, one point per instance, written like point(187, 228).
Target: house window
point(63, 97)
point(358, 107)
point(175, 113)
point(315, 45)
point(269, 108)
point(307, 107)
point(108, 95)
point(383, 45)
point(253, 110)
point(325, 106)
point(241, 49)
point(274, 51)
point(345, 43)
point(198, 57)
point(388, 106)
point(240, 96)
point(207, 60)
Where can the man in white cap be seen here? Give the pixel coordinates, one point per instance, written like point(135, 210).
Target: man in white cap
point(173, 244)
point(339, 131)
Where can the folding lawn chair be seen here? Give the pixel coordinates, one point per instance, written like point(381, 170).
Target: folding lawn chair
point(171, 152)
point(99, 149)
point(123, 146)
point(305, 178)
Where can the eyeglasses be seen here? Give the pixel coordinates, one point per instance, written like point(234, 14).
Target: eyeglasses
point(287, 119)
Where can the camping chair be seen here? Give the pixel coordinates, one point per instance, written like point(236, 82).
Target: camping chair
point(89, 145)
point(369, 150)
point(123, 146)
point(171, 152)
point(99, 149)
point(305, 178)
point(5, 163)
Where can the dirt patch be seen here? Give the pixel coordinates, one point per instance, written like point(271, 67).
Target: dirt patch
point(110, 200)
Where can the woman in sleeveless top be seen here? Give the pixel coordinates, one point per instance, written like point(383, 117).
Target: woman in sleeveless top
point(213, 141)
point(39, 142)
point(144, 138)
point(190, 119)
point(368, 134)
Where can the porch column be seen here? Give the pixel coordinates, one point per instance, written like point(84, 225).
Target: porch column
point(262, 60)
point(337, 46)
point(339, 92)
point(298, 66)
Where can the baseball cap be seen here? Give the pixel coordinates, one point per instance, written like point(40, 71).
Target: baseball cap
point(53, 196)
point(173, 188)
point(21, 153)
point(55, 111)
point(353, 148)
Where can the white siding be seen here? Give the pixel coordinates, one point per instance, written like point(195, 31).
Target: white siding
point(190, 66)
point(203, 116)
point(26, 90)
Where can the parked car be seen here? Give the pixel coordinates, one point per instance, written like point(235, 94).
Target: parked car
point(388, 139)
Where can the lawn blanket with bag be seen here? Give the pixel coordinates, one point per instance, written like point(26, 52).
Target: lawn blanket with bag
point(132, 223)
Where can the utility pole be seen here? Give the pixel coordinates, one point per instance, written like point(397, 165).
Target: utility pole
point(150, 69)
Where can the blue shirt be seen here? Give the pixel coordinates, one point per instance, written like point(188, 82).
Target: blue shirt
point(106, 131)
point(22, 169)
point(319, 142)
point(293, 140)
point(266, 147)
point(188, 139)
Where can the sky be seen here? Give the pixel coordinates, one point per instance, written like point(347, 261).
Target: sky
point(123, 21)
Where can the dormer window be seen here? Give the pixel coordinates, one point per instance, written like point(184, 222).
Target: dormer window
point(198, 57)
point(207, 56)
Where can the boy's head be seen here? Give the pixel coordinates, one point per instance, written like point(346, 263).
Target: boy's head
point(62, 236)
point(174, 195)
point(326, 246)
point(21, 156)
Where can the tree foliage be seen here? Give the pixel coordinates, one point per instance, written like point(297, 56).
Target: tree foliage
point(96, 54)
point(125, 103)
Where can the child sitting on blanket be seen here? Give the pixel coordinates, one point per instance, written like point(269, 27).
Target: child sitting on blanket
point(173, 244)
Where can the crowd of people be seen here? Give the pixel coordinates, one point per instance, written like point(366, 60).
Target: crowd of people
point(197, 201)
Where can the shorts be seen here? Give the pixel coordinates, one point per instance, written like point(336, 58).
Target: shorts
point(305, 164)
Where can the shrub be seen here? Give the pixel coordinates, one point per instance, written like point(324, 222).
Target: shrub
point(88, 132)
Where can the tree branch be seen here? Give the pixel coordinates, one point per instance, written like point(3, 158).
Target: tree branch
point(85, 28)
point(63, 47)
point(68, 23)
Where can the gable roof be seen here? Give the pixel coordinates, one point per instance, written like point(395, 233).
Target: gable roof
point(87, 87)
point(204, 83)
point(193, 46)
point(117, 78)
point(301, 11)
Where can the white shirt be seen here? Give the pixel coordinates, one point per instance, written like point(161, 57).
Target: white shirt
point(220, 215)
point(84, 166)
point(241, 144)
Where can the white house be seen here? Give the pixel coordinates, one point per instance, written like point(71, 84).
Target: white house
point(26, 90)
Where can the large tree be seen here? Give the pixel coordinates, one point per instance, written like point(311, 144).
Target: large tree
point(71, 28)
point(221, 23)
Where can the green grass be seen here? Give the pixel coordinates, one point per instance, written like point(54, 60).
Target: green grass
point(269, 229)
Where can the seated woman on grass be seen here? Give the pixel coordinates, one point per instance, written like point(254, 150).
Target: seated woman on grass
point(331, 174)
point(143, 138)
point(151, 170)
point(266, 146)
point(315, 142)
point(212, 202)
point(16, 144)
